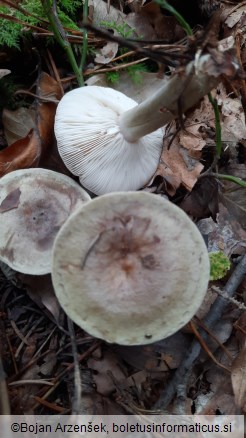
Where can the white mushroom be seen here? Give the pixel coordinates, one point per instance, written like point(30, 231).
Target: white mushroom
point(112, 143)
point(130, 268)
point(34, 204)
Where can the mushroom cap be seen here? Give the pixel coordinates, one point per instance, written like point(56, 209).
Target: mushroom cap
point(92, 146)
point(130, 268)
point(34, 204)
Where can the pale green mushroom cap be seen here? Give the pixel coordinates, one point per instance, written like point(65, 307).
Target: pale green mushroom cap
point(34, 204)
point(130, 268)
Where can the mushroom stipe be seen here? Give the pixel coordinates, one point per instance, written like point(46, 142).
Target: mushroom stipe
point(130, 268)
point(113, 144)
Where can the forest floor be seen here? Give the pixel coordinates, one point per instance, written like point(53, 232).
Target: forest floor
point(48, 366)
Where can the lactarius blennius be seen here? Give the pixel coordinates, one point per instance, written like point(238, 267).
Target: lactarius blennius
point(34, 204)
point(113, 144)
point(130, 268)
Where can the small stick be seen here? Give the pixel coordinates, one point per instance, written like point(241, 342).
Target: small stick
point(210, 320)
point(4, 398)
point(77, 378)
point(205, 347)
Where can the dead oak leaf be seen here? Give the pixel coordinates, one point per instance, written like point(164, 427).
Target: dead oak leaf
point(28, 152)
point(22, 154)
point(18, 123)
point(178, 166)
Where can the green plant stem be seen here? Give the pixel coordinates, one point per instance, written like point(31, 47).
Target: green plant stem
point(214, 104)
point(85, 36)
point(165, 5)
point(61, 38)
point(231, 178)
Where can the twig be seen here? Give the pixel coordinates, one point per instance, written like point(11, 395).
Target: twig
point(115, 68)
point(55, 71)
point(4, 398)
point(52, 406)
point(210, 320)
point(85, 36)
point(212, 336)
point(214, 104)
point(161, 56)
point(32, 329)
point(77, 377)
point(205, 347)
point(31, 382)
point(61, 37)
point(58, 378)
point(220, 292)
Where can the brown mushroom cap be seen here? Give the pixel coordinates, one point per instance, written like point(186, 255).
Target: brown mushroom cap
point(130, 268)
point(34, 204)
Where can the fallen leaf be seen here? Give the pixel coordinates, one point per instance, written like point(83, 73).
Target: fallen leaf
point(17, 124)
point(22, 154)
point(233, 122)
point(30, 151)
point(107, 53)
point(235, 16)
point(108, 363)
point(238, 378)
point(102, 13)
point(141, 27)
point(178, 167)
point(165, 27)
point(203, 201)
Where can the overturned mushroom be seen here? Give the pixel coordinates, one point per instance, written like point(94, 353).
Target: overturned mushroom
point(130, 268)
point(34, 204)
point(112, 143)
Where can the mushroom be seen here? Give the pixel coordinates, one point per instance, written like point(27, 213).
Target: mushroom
point(113, 144)
point(34, 204)
point(130, 268)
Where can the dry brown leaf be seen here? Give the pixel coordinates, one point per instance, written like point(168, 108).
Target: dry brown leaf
point(29, 151)
point(233, 121)
point(107, 53)
point(178, 167)
point(165, 27)
point(17, 124)
point(108, 363)
point(22, 154)
point(202, 202)
point(235, 16)
point(238, 378)
point(141, 26)
point(226, 235)
point(191, 141)
point(235, 202)
point(101, 12)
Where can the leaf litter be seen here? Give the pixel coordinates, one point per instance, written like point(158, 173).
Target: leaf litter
point(35, 343)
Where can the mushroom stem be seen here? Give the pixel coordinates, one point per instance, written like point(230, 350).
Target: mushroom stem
point(186, 88)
